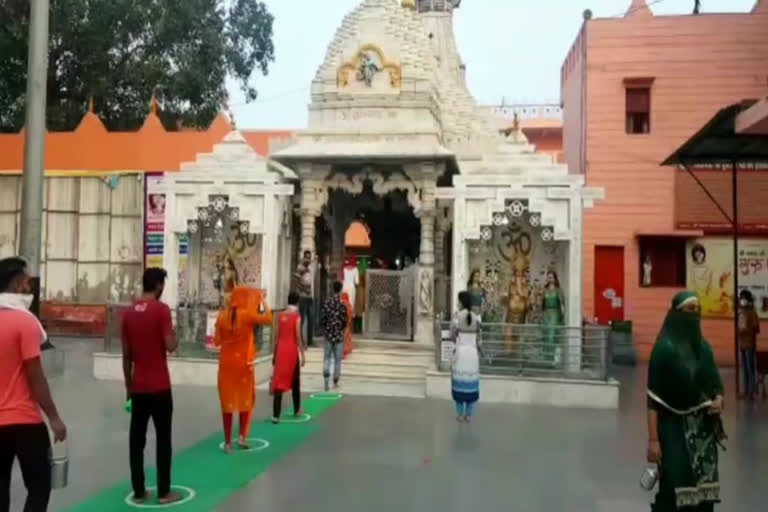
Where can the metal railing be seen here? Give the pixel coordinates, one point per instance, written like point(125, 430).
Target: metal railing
point(534, 350)
point(190, 326)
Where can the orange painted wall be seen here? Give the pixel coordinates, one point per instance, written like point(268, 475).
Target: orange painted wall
point(548, 141)
point(91, 147)
point(572, 79)
point(700, 64)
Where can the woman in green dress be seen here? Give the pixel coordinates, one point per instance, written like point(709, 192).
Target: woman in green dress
point(553, 309)
point(685, 400)
point(476, 292)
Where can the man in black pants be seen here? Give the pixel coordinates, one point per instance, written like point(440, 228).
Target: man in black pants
point(147, 334)
point(23, 392)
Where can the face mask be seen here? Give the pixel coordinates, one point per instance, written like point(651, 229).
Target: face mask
point(743, 303)
point(26, 300)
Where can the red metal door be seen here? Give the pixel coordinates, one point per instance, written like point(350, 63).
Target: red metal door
point(609, 284)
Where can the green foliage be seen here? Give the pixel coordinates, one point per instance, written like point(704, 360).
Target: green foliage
point(118, 52)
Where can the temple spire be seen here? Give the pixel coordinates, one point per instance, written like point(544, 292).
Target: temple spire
point(153, 104)
point(434, 5)
point(152, 121)
point(638, 8)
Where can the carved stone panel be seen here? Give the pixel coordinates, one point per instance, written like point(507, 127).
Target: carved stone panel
point(364, 67)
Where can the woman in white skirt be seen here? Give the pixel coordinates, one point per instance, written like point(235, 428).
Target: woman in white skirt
point(465, 370)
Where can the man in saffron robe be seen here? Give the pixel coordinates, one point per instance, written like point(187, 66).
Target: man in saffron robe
point(234, 334)
point(350, 319)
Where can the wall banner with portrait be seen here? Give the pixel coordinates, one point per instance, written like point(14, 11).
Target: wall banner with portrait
point(710, 274)
point(509, 267)
point(155, 217)
point(154, 222)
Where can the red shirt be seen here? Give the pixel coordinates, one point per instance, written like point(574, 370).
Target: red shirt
point(19, 342)
point(145, 326)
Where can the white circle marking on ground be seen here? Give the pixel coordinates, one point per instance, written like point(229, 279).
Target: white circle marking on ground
point(326, 396)
point(191, 494)
point(304, 418)
point(264, 444)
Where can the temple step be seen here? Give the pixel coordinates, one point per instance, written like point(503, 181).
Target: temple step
point(375, 368)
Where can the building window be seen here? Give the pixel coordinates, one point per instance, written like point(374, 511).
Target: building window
point(662, 262)
point(638, 110)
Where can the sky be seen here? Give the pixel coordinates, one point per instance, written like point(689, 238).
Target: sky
point(513, 50)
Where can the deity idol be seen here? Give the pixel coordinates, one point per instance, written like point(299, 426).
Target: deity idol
point(553, 306)
point(518, 298)
point(230, 279)
point(476, 293)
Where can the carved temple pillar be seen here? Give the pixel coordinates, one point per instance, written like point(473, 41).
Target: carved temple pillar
point(425, 288)
point(313, 197)
point(442, 303)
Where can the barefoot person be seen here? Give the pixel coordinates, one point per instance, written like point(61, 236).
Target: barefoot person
point(288, 360)
point(685, 400)
point(23, 392)
point(465, 371)
point(234, 334)
point(334, 322)
point(147, 334)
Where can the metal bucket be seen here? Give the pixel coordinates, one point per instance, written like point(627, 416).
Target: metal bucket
point(60, 468)
point(649, 478)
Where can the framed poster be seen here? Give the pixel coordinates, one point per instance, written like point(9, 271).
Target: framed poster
point(710, 274)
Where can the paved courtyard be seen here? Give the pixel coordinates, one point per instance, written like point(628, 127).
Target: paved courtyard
point(410, 455)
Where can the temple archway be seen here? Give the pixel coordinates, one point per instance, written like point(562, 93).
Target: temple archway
point(357, 236)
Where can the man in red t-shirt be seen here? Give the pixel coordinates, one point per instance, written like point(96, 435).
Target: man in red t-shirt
point(147, 334)
point(23, 392)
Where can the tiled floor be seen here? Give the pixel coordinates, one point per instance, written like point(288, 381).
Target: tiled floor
point(410, 455)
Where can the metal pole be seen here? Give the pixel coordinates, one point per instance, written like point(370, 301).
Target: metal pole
point(34, 145)
point(735, 194)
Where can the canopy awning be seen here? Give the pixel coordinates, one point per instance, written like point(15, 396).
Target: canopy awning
point(718, 142)
point(754, 120)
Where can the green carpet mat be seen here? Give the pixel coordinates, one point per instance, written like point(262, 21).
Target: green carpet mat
point(212, 475)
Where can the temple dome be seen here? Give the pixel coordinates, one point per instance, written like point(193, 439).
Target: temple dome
point(396, 32)
point(392, 82)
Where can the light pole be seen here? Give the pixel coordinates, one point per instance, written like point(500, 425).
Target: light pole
point(34, 145)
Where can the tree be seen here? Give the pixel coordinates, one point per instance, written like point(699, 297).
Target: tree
point(120, 52)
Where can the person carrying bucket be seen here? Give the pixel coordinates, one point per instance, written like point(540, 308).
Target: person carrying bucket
point(25, 392)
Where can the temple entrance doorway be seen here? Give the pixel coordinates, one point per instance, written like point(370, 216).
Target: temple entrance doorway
point(375, 247)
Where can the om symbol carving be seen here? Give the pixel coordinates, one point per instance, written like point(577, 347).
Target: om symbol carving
point(240, 239)
point(516, 239)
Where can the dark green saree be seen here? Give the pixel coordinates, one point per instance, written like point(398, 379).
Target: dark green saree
point(682, 380)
